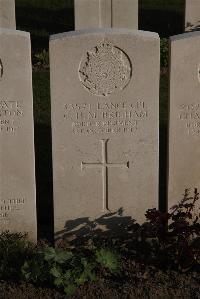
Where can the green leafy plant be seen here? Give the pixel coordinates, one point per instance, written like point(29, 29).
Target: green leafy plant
point(48, 265)
point(42, 58)
point(65, 269)
point(108, 259)
point(34, 270)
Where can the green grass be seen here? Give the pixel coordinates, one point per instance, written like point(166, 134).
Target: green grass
point(41, 91)
point(163, 99)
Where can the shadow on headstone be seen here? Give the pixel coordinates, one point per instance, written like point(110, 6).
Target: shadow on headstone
point(191, 27)
point(108, 226)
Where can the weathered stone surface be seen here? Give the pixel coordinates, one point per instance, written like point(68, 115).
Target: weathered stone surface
point(17, 175)
point(192, 15)
point(90, 14)
point(7, 14)
point(184, 128)
point(105, 90)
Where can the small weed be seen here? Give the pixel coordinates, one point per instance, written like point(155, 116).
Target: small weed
point(42, 58)
point(108, 259)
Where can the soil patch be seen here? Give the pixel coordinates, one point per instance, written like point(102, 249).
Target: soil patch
point(135, 281)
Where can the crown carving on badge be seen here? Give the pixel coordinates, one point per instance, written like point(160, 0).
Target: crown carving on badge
point(105, 69)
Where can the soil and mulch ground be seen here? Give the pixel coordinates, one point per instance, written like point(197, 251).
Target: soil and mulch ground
point(134, 283)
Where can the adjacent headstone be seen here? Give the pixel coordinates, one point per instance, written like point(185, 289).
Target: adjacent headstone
point(192, 15)
point(90, 14)
point(184, 128)
point(105, 95)
point(7, 14)
point(17, 175)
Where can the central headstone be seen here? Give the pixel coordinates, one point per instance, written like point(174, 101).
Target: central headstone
point(17, 175)
point(105, 95)
point(7, 14)
point(90, 14)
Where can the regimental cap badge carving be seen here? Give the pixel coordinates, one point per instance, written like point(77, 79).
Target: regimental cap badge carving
point(105, 69)
point(1, 69)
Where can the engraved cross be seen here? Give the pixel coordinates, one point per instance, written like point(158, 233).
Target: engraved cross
point(104, 165)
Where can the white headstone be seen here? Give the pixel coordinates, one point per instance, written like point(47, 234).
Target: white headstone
point(17, 175)
point(184, 128)
point(90, 14)
point(105, 95)
point(7, 14)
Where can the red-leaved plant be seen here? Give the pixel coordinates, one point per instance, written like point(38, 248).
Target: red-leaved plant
point(177, 232)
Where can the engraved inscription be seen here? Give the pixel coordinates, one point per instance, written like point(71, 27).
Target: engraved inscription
point(190, 115)
point(1, 69)
point(104, 165)
point(11, 113)
point(105, 117)
point(105, 69)
point(8, 207)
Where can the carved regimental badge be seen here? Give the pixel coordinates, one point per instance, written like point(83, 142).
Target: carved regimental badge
point(105, 69)
point(1, 69)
